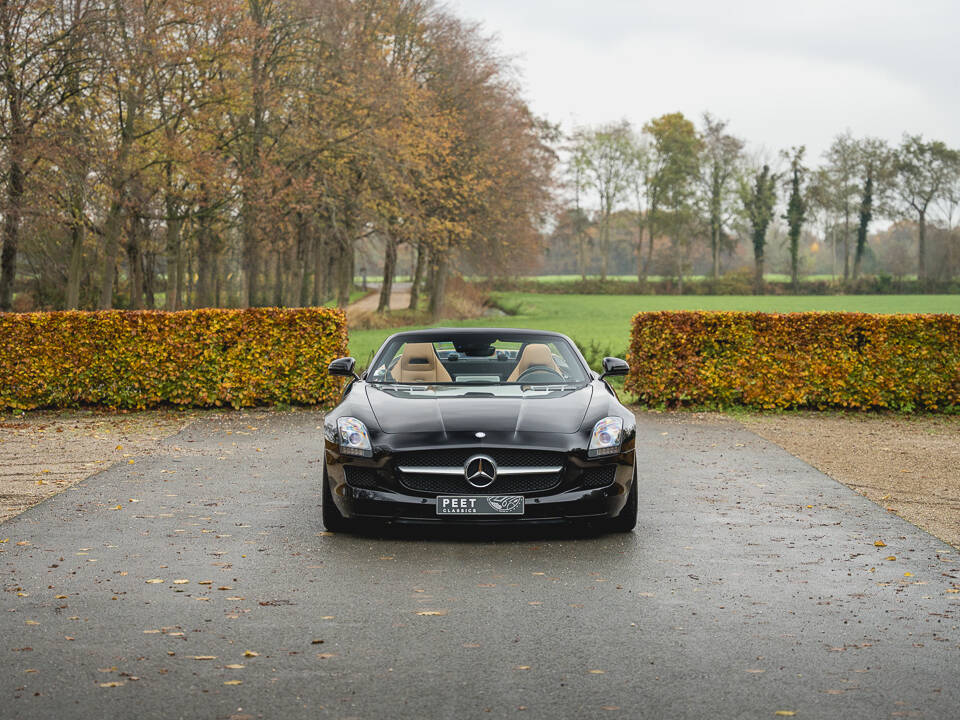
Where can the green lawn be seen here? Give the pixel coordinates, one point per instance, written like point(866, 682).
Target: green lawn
point(769, 277)
point(605, 319)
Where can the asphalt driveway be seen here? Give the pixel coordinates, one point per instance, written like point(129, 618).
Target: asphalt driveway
point(198, 582)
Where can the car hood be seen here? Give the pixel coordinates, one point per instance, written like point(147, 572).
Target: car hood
point(433, 410)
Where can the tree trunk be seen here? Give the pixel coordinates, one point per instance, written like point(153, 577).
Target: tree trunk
point(651, 233)
point(251, 258)
point(846, 245)
point(149, 275)
point(417, 278)
point(866, 214)
point(77, 237)
point(174, 231)
point(135, 261)
point(344, 268)
point(439, 286)
point(922, 249)
point(641, 276)
point(604, 245)
point(389, 268)
point(758, 267)
point(11, 233)
point(111, 237)
point(321, 268)
point(206, 262)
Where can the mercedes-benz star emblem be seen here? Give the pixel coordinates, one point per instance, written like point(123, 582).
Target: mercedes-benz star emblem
point(480, 471)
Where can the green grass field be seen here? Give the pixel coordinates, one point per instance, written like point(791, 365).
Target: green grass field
point(605, 319)
point(769, 277)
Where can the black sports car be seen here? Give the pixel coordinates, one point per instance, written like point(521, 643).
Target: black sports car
point(479, 425)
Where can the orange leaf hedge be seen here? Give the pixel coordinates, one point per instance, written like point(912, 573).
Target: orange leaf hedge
point(798, 360)
point(198, 358)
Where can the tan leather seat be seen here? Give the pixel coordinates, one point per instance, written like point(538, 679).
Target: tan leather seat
point(419, 363)
point(533, 354)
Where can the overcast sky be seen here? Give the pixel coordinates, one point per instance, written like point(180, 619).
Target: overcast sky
point(782, 73)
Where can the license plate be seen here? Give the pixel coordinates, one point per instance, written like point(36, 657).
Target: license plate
point(480, 505)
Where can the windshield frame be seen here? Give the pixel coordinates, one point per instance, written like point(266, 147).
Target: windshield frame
point(493, 334)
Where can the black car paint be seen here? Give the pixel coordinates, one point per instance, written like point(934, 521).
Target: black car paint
point(561, 421)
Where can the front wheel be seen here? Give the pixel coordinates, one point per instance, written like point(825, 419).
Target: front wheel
point(626, 521)
point(333, 520)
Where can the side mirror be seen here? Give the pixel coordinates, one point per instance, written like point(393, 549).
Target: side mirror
point(614, 366)
point(343, 367)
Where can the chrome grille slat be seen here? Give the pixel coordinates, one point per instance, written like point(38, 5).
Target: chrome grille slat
point(459, 470)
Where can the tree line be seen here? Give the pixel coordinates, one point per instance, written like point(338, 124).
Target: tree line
point(177, 153)
point(686, 186)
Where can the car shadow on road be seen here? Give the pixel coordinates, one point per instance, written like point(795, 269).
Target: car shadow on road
point(477, 533)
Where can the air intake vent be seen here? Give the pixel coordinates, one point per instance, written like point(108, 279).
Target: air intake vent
point(360, 477)
point(599, 477)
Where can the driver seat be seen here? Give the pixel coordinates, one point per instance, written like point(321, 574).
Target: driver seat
point(533, 354)
point(419, 363)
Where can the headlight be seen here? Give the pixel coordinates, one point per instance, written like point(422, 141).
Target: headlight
point(354, 439)
point(606, 437)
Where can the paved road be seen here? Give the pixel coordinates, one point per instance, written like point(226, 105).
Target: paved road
point(733, 599)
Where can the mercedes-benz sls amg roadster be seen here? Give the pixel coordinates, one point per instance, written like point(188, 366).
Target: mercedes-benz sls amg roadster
point(479, 425)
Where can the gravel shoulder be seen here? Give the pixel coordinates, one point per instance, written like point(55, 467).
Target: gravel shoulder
point(44, 453)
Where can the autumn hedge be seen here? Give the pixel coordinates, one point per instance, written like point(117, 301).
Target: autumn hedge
point(199, 358)
point(798, 360)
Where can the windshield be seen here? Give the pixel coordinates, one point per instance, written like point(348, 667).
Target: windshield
point(478, 359)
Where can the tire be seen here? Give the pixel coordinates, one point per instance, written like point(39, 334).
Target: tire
point(333, 520)
point(626, 521)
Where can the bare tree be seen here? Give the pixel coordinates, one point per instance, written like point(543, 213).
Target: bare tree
point(925, 173)
point(605, 155)
point(720, 163)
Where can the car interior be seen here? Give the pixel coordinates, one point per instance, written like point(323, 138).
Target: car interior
point(479, 361)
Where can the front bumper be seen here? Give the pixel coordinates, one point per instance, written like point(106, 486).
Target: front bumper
point(386, 498)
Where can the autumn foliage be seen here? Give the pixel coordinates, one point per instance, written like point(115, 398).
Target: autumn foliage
point(797, 360)
point(199, 358)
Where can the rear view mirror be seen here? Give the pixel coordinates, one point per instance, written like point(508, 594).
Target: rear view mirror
point(614, 366)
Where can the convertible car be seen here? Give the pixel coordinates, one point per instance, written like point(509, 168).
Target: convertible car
point(479, 425)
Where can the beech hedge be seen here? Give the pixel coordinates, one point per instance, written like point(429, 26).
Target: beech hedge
point(796, 360)
point(196, 358)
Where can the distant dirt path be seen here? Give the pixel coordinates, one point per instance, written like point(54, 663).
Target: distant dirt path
point(398, 301)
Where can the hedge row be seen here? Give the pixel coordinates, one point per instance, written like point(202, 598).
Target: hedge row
point(799, 360)
point(199, 358)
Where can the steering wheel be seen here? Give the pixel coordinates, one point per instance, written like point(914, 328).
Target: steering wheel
point(539, 369)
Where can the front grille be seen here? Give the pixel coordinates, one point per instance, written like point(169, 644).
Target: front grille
point(503, 457)
point(598, 477)
point(360, 477)
point(458, 485)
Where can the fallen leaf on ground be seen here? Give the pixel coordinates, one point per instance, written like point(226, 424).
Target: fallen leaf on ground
point(154, 581)
point(233, 682)
point(204, 657)
point(235, 666)
point(250, 653)
point(785, 713)
point(878, 543)
point(521, 667)
point(325, 656)
point(597, 672)
point(181, 581)
point(112, 684)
